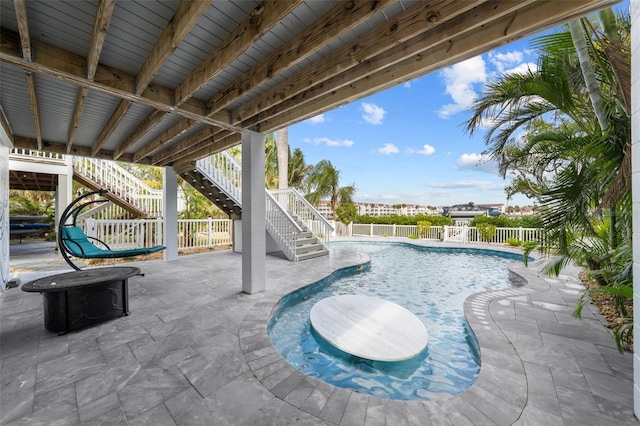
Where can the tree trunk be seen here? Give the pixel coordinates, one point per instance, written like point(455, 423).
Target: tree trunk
point(282, 141)
point(580, 43)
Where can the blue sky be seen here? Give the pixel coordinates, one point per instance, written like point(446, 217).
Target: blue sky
point(407, 144)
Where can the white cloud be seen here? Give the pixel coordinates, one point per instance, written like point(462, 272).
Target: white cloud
point(388, 148)
point(427, 150)
point(372, 114)
point(478, 163)
point(407, 85)
point(459, 80)
point(317, 119)
point(522, 68)
point(329, 142)
point(503, 60)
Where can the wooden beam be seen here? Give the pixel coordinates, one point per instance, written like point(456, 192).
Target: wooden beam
point(100, 27)
point(77, 114)
point(468, 21)
point(206, 133)
point(173, 34)
point(23, 28)
point(373, 78)
point(164, 138)
point(417, 19)
point(323, 30)
point(340, 19)
point(186, 16)
point(33, 99)
point(6, 127)
point(262, 19)
point(116, 117)
point(143, 128)
point(206, 149)
point(67, 66)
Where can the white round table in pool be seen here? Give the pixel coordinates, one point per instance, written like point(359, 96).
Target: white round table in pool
point(369, 327)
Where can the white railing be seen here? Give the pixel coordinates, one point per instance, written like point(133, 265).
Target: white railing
point(281, 227)
point(296, 205)
point(463, 234)
point(192, 233)
point(110, 176)
point(225, 171)
point(30, 153)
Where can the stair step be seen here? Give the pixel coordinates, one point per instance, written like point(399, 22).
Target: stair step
point(305, 234)
point(308, 248)
point(313, 254)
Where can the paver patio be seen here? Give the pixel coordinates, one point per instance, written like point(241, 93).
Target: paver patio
point(195, 351)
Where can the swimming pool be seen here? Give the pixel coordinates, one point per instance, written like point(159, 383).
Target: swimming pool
point(430, 282)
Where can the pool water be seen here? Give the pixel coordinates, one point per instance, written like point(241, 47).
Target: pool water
point(432, 283)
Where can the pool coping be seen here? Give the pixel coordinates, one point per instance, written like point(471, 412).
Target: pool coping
point(498, 396)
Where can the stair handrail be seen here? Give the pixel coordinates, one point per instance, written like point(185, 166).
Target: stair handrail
point(109, 175)
point(282, 227)
point(225, 171)
point(296, 204)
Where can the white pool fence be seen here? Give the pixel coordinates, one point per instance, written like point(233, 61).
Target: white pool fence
point(211, 233)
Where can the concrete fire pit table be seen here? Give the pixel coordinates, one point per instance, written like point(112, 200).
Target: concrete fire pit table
point(82, 298)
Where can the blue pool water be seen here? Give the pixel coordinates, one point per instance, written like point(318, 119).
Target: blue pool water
point(431, 283)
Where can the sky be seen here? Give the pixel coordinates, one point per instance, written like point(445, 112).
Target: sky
point(408, 144)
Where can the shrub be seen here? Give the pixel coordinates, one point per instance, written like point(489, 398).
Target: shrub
point(413, 237)
point(486, 231)
point(403, 220)
point(423, 228)
point(514, 242)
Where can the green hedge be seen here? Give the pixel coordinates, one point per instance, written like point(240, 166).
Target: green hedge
point(403, 220)
point(505, 222)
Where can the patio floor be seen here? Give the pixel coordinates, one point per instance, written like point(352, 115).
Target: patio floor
point(195, 351)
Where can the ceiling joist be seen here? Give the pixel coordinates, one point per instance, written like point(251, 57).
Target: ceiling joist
point(67, 66)
point(100, 27)
point(23, 28)
point(262, 19)
point(273, 63)
point(375, 75)
point(186, 16)
point(418, 19)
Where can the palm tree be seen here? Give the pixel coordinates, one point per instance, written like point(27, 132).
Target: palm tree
point(270, 163)
point(323, 182)
point(574, 157)
point(282, 138)
point(298, 169)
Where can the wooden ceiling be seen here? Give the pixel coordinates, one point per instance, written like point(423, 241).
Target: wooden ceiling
point(168, 82)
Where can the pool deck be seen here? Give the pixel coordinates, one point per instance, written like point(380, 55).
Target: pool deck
point(195, 351)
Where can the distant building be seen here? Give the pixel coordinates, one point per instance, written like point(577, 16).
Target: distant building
point(464, 213)
point(381, 209)
point(461, 213)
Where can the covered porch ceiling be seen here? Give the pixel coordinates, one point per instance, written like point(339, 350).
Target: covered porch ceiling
point(168, 82)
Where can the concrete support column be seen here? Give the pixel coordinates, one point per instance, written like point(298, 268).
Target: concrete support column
point(170, 213)
point(253, 213)
point(64, 190)
point(5, 147)
point(635, 158)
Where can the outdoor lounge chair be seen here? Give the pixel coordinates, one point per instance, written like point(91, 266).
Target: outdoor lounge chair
point(72, 240)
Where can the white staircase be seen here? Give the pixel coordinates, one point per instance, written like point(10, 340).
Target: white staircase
point(125, 189)
point(293, 223)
